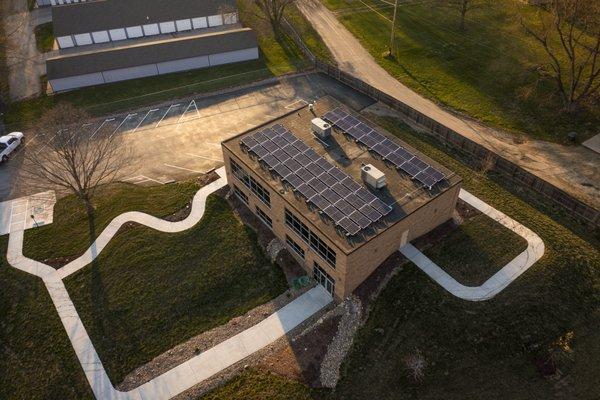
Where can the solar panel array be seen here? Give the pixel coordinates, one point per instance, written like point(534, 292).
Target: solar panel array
point(387, 149)
point(332, 191)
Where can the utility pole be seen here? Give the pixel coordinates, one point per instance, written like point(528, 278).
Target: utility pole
point(392, 35)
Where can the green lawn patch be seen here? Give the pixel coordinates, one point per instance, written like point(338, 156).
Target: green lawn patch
point(36, 357)
point(44, 37)
point(488, 71)
point(310, 36)
point(466, 343)
point(476, 250)
point(259, 385)
point(69, 235)
point(150, 291)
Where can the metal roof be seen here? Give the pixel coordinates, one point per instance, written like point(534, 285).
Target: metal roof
point(151, 52)
point(99, 15)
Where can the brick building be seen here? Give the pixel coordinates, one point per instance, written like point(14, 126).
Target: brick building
point(342, 205)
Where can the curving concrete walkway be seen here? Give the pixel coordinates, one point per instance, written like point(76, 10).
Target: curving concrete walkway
point(189, 373)
point(501, 279)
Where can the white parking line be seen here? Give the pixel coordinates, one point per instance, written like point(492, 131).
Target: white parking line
point(101, 125)
point(290, 106)
point(143, 119)
point(125, 119)
point(163, 117)
point(143, 179)
point(205, 157)
point(188, 108)
point(184, 169)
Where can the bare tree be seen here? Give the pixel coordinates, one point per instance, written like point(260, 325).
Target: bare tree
point(569, 32)
point(463, 7)
point(272, 10)
point(74, 157)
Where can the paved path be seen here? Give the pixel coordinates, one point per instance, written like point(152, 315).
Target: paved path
point(16, 214)
point(189, 373)
point(575, 169)
point(501, 279)
point(25, 63)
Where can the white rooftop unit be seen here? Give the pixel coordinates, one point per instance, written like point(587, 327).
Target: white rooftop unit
point(321, 128)
point(372, 176)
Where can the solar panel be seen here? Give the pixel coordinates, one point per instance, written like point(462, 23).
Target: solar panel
point(401, 158)
point(381, 207)
point(325, 186)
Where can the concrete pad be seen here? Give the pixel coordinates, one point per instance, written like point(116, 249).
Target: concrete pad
point(593, 143)
point(16, 214)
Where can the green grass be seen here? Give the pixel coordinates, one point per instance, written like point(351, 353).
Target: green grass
point(476, 250)
point(44, 37)
point(150, 291)
point(259, 385)
point(278, 55)
point(36, 357)
point(69, 235)
point(487, 72)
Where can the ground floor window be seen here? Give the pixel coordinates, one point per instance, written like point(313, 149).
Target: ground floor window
point(264, 217)
point(323, 278)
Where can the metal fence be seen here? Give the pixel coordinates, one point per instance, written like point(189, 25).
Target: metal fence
point(476, 153)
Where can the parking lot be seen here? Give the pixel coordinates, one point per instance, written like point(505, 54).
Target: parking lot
point(177, 140)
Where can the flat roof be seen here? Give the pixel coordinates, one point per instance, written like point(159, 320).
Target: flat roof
point(136, 53)
point(402, 193)
point(100, 15)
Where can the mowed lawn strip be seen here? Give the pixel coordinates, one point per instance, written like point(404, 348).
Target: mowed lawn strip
point(475, 250)
point(465, 343)
point(259, 385)
point(36, 357)
point(44, 37)
point(69, 234)
point(489, 71)
point(150, 291)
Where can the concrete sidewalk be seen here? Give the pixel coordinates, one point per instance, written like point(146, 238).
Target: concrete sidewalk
point(501, 279)
point(189, 373)
point(574, 169)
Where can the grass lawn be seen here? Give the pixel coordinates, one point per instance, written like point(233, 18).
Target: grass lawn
point(36, 357)
point(279, 55)
point(476, 250)
point(259, 385)
point(150, 291)
point(69, 235)
point(310, 36)
point(44, 37)
point(487, 72)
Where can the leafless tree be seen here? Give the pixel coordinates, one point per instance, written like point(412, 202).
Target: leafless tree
point(72, 156)
point(463, 7)
point(272, 10)
point(569, 32)
point(415, 365)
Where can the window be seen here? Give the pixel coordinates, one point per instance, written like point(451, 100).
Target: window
point(314, 241)
point(323, 278)
point(241, 195)
point(167, 27)
point(183, 25)
point(256, 188)
point(83, 39)
point(100, 37)
point(134, 32)
point(297, 226)
point(264, 217)
point(199, 23)
point(117, 34)
point(295, 246)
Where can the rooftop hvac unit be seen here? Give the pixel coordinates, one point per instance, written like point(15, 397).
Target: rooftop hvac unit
point(372, 176)
point(321, 128)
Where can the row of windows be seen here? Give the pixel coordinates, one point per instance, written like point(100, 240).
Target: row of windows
point(256, 188)
point(295, 246)
point(132, 32)
point(310, 238)
point(264, 217)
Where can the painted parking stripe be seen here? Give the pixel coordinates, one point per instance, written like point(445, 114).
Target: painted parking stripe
point(101, 125)
point(204, 157)
point(184, 169)
point(121, 124)
point(169, 109)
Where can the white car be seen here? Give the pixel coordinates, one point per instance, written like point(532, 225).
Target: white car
point(8, 144)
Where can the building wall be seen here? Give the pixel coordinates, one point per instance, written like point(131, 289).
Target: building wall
point(134, 32)
point(369, 256)
point(79, 81)
point(352, 269)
